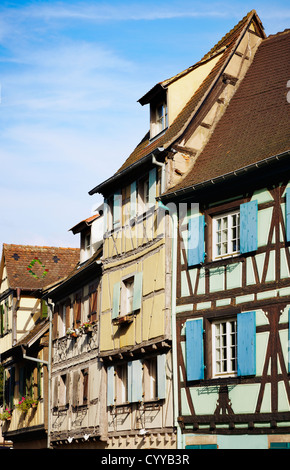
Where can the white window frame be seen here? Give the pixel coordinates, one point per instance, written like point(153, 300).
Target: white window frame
point(62, 320)
point(127, 293)
point(228, 240)
point(150, 379)
point(223, 352)
point(121, 381)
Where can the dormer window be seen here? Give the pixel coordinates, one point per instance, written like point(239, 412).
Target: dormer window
point(158, 116)
point(161, 117)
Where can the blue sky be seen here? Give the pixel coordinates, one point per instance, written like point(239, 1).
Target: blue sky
point(71, 73)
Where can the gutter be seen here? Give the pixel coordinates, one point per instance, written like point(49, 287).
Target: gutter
point(124, 172)
point(227, 176)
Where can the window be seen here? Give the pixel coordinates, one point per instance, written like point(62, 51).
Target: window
point(62, 320)
point(226, 234)
point(150, 379)
point(137, 381)
point(121, 384)
point(161, 117)
point(230, 349)
point(224, 335)
point(127, 296)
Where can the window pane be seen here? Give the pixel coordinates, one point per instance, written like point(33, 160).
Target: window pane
point(225, 347)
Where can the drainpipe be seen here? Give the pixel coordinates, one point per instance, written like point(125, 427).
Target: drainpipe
point(173, 214)
point(162, 165)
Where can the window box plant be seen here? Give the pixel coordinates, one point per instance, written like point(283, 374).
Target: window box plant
point(26, 403)
point(73, 333)
point(86, 327)
point(6, 415)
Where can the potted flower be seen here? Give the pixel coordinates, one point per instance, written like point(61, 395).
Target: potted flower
point(26, 403)
point(6, 415)
point(73, 333)
point(86, 327)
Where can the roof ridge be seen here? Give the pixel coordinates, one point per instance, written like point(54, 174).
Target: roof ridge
point(39, 246)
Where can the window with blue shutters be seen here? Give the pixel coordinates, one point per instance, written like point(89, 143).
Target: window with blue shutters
point(233, 347)
point(249, 226)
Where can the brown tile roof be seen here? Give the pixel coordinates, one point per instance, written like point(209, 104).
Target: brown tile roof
point(34, 267)
point(173, 132)
point(256, 124)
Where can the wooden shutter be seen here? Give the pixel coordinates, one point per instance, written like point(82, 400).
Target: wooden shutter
point(195, 251)
point(116, 300)
point(287, 214)
point(117, 209)
point(93, 301)
point(137, 293)
point(134, 380)
point(133, 200)
point(110, 385)
point(194, 349)
point(85, 373)
point(77, 309)
point(161, 376)
point(55, 322)
point(75, 390)
point(152, 187)
point(67, 314)
point(249, 226)
point(67, 388)
point(246, 343)
point(55, 392)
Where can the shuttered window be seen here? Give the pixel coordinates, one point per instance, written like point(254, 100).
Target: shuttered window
point(133, 200)
point(137, 380)
point(93, 301)
point(152, 187)
point(130, 292)
point(233, 344)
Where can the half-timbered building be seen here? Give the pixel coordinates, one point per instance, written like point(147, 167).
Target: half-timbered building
point(233, 268)
point(138, 275)
point(25, 271)
point(77, 377)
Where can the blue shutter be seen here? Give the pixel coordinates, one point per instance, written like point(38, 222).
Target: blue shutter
point(248, 226)
point(287, 215)
point(110, 385)
point(135, 379)
point(117, 209)
point(161, 376)
point(152, 187)
point(133, 200)
point(194, 349)
point(195, 252)
point(116, 300)
point(137, 294)
point(246, 343)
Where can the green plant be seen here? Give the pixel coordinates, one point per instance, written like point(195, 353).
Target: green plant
point(26, 403)
point(6, 415)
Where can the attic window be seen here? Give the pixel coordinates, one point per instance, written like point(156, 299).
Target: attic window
point(158, 116)
point(16, 256)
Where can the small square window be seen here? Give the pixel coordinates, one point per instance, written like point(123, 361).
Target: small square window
point(226, 235)
point(224, 350)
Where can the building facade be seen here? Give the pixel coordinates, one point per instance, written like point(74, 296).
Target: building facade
point(233, 286)
point(24, 342)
